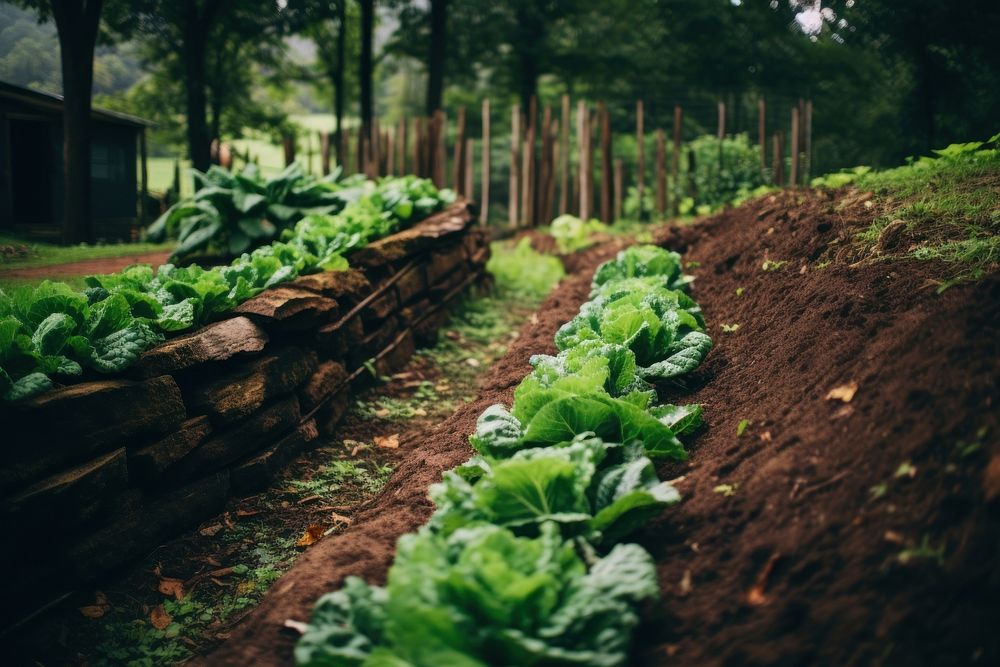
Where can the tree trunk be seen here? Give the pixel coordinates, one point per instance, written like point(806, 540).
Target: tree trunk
point(338, 79)
point(195, 30)
point(435, 63)
point(531, 35)
point(77, 29)
point(367, 29)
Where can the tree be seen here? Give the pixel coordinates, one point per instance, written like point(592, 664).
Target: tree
point(366, 64)
point(436, 57)
point(77, 23)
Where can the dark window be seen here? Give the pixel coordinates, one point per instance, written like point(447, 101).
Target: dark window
point(31, 171)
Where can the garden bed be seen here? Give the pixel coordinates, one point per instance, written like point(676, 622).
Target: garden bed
point(840, 506)
point(101, 472)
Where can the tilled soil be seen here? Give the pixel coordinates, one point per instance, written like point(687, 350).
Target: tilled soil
point(856, 519)
point(848, 531)
point(367, 548)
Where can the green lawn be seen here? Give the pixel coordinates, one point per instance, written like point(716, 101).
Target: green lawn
point(29, 254)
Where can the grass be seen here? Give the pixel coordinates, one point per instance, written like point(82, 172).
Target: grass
point(19, 253)
point(944, 209)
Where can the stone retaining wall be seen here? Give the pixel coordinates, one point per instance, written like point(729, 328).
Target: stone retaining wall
point(99, 473)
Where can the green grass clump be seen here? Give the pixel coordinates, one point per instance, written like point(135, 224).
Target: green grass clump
point(944, 208)
point(522, 270)
point(29, 254)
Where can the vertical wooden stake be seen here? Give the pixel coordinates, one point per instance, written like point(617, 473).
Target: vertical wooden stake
point(582, 133)
point(418, 148)
point(640, 154)
point(545, 167)
point(390, 152)
point(361, 150)
point(762, 132)
point(809, 142)
point(606, 164)
point(793, 173)
point(484, 187)
point(401, 146)
point(143, 176)
point(675, 158)
point(564, 157)
point(440, 153)
point(661, 174)
point(458, 165)
point(529, 205)
point(619, 187)
point(721, 130)
point(467, 164)
point(778, 159)
point(324, 152)
point(515, 166)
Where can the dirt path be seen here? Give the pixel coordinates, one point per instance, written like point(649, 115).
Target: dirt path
point(366, 549)
point(85, 267)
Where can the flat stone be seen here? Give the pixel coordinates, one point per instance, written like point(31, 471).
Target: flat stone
point(289, 308)
point(242, 439)
point(146, 465)
point(255, 473)
point(328, 377)
point(346, 287)
point(137, 530)
point(72, 425)
point(452, 221)
point(69, 496)
point(242, 391)
point(216, 342)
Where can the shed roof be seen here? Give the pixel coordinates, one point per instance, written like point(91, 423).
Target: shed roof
point(53, 102)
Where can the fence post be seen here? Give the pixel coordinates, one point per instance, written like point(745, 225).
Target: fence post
point(640, 153)
point(545, 168)
point(458, 166)
point(809, 142)
point(390, 151)
point(484, 188)
point(288, 143)
point(515, 165)
point(762, 132)
point(583, 131)
point(619, 187)
point(467, 162)
point(675, 159)
point(794, 171)
point(661, 174)
point(778, 159)
point(324, 152)
point(564, 157)
point(606, 176)
point(441, 155)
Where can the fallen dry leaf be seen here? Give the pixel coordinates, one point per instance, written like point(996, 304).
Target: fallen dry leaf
point(298, 626)
point(844, 392)
point(100, 607)
point(159, 617)
point(311, 536)
point(340, 518)
point(382, 412)
point(210, 531)
point(755, 596)
point(247, 512)
point(419, 412)
point(171, 587)
point(475, 363)
point(221, 572)
point(387, 442)
point(892, 537)
point(685, 585)
point(766, 436)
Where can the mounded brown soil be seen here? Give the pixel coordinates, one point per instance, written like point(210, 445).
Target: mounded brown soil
point(808, 560)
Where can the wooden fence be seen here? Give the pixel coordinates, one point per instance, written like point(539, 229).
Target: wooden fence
point(551, 167)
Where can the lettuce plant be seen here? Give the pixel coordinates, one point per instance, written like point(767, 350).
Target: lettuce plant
point(484, 596)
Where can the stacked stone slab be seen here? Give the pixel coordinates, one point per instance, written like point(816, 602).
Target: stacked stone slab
point(98, 473)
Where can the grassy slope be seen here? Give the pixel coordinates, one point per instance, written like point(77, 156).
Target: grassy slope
point(944, 209)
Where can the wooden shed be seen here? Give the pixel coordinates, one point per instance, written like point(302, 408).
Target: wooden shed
point(31, 167)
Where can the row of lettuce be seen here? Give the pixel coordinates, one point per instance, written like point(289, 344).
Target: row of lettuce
point(53, 332)
point(524, 561)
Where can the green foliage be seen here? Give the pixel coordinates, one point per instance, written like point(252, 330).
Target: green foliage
point(52, 331)
point(480, 596)
point(572, 234)
point(508, 570)
point(232, 213)
point(520, 269)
